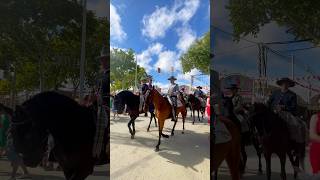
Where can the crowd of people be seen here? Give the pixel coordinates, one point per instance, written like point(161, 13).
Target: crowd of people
point(173, 93)
point(284, 103)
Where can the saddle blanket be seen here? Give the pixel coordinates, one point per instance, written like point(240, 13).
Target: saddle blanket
point(297, 127)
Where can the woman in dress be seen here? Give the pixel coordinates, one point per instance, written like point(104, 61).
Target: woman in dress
point(314, 134)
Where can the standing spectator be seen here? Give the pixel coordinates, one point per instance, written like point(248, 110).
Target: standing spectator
point(4, 125)
point(314, 134)
point(15, 159)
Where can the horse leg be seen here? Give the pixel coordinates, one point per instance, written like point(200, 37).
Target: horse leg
point(258, 150)
point(243, 159)
point(219, 153)
point(283, 166)
point(160, 125)
point(174, 125)
point(155, 120)
point(198, 115)
point(130, 130)
point(134, 127)
point(149, 122)
point(233, 161)
point(183, 120)
point(193, 117)
point(267, 156)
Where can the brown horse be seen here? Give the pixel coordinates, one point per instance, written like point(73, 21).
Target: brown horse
point(163, 111)
point(229, 151)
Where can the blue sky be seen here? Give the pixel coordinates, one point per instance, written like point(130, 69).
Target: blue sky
point(159, 32)
point(242, 57)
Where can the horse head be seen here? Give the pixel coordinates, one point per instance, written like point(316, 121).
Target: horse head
point(261, 117)
point(119, 103)
point(29, 137)
point(148, 98)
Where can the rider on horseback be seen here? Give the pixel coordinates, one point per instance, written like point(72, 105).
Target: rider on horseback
point(103, 117)
point(284, 103)
point(238, 106)
point(143, 89)
point(173, 92)
point(199, 94)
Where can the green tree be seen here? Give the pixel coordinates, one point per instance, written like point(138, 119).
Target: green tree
point(123, 69)
point(300, 17)
point(197, 56)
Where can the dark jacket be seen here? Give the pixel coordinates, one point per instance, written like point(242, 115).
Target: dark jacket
point(287, 99)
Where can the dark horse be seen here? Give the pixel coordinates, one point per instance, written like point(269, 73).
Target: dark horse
point(247, 138)
point(132, 101)
point(195, 105)
point(274, 133)
point(72, 127)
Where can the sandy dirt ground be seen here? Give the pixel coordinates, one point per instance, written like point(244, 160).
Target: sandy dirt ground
point(252, 168)
point(182, 156)
point(100, 172)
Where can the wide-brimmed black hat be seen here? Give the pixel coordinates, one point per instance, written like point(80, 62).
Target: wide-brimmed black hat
point(233, 86)
point(172, 78)
point(290, 82)
point(199, 87)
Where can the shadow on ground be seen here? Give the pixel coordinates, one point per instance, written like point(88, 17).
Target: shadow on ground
point(188, 149)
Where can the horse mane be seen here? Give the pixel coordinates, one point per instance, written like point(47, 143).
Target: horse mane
point(268, 120)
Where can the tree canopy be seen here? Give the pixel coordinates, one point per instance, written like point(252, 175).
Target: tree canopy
point(42, 39)
point(123, 69)
point(300, 17)
point(197, 56)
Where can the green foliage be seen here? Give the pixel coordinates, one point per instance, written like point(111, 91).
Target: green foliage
point(45, 36)
point(300, 17)
point(123, 69)
point(197, 56)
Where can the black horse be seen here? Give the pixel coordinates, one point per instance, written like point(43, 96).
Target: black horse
point(247, 138)
point(132, 101)
point(195, 105)
point(274, 134)
point(71, 126)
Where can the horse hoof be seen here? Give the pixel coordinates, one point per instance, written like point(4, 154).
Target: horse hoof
point(182, 132)
point(157, 149)
point(172, 134)
point(165, 136)
point(132, 136)
point(147, 130)
point(260, 172)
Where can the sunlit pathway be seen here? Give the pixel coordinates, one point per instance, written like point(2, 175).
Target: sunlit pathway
point(182, 156)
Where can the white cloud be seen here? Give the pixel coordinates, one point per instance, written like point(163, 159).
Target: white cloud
point(187, 76)
point(189, 9)
point(167, 60)
point(186, 38)
point(161, 85)
point(116, 30)
point(157, 23)
point(145, 57)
